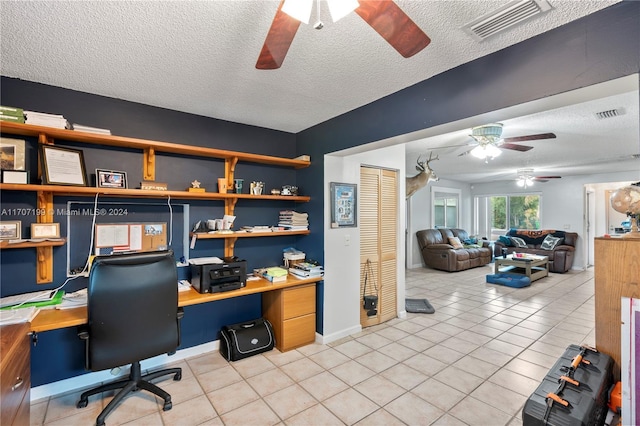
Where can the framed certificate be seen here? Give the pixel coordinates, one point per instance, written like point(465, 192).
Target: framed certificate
point(62, 166)
point(45, 230)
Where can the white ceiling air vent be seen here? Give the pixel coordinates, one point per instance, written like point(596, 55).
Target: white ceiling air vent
point(504, 17)
point(610, 113)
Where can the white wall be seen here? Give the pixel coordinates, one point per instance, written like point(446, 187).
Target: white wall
point(419, 217)
point(563, 203)
point(341, 313)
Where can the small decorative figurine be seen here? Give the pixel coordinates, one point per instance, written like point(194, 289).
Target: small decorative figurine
point(195, 186)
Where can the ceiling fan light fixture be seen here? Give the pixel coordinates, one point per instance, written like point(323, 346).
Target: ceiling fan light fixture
point(298, 9)
point(486, 151)
point(341, 8)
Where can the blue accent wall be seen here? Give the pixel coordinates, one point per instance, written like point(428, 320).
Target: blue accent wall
point(600, 47)
point(201, 324)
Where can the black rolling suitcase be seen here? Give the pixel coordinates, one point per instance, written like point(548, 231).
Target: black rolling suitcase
point(574, 392)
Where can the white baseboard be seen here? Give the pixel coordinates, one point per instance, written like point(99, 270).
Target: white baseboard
point(325, 339)
point(93, 379)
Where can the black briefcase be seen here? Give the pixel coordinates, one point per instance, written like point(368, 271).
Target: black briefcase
point(242, 340)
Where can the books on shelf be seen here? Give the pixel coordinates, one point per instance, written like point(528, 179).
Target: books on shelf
point(49, 120)
point(293, 220)
point(12, 114)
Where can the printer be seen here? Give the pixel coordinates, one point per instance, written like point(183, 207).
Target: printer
point(231, 274)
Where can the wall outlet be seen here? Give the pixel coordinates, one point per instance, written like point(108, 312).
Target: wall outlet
point(567, 227)
point(347, 240)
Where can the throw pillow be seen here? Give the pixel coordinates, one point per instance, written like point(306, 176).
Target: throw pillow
point(518, 242)
point(550, 242)
point(455, 242)
point(505, 240)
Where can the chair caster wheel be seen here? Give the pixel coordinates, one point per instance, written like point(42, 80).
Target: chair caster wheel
point(167, 406)
point(177, 377)
point(82, 403)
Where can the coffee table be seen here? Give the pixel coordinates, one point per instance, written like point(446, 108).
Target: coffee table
point(533, 266)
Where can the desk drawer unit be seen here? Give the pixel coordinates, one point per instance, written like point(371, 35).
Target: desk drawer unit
point(15, 375)
point(292, 312)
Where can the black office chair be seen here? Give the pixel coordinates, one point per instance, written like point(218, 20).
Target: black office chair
point(133, 315)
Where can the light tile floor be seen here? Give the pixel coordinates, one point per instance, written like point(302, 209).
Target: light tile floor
point(473, 362)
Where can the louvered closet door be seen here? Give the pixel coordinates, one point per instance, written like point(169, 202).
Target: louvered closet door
point(378, 241)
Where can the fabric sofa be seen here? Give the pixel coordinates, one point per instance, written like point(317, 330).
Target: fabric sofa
point(438, 252)
point(560, 256)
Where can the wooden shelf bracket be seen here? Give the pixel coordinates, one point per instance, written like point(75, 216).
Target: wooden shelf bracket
point(44, 255)
point(149, 164)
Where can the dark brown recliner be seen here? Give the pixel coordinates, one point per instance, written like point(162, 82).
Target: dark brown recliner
point(437, 253)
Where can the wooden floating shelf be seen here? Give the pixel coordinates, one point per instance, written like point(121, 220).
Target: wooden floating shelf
point(206, 236)
point(5, 245)
point(139, 193)
point(143, 144)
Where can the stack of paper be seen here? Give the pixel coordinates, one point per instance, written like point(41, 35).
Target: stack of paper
point(293, 220)
point(306, 270)
point(14, 316)
point(274, 274)
point(89, 129)
point(49, 120)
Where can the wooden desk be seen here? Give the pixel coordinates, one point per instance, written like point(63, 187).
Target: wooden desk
point(15, 375)
point(52, 319)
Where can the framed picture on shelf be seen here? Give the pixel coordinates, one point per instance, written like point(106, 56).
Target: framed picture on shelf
point(62, 166)
point(343, 204)
point(12, 155)
point(45, 230)
point(10, 230)
point(111, 179)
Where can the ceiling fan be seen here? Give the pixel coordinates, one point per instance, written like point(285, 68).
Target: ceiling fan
point(384, 16)
point(488, 141)
point(526, 178)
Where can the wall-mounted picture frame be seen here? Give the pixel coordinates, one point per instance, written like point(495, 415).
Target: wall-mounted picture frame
point(12, 154)
point(343, 205)
point(111, 179)
point(62, 166)
point(45, 230)
point(10, 230)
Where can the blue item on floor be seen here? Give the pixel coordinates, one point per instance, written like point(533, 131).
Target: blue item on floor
point(510, 280)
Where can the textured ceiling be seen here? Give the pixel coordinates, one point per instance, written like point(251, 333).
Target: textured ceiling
point(199, 57)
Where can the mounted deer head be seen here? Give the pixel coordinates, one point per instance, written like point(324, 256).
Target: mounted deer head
point(421, 179)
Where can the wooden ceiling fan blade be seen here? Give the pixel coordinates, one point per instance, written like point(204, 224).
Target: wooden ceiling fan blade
point(545, 178)
point(530, 137)
point(279, 38)
point(394, 26)
point(514, 147)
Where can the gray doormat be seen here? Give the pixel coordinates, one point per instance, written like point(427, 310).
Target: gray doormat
point(418, 306)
